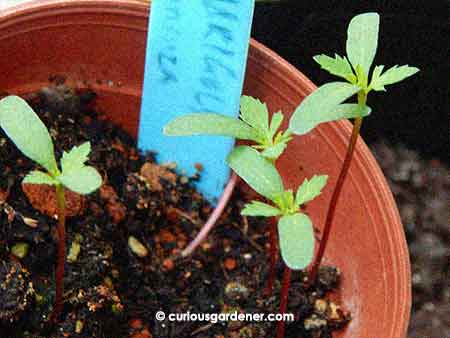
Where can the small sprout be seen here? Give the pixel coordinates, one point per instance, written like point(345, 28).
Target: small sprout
point(137, 247)
point(20, 250)
point(295, 229)
point(253, 125)
point(29, 134)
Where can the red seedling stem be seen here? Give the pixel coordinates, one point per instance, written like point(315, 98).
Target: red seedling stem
point(61, 252)
point(214, 218)
point(284, 300)
point(334, 200)
point(273, 252)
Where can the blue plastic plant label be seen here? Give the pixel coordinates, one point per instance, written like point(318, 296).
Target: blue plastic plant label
point(195, 62)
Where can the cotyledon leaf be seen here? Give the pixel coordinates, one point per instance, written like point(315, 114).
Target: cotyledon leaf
point(362, 40)
point(84, 181)
point(320, 106)
point(257, 208)
point(296, 235)
point(210, 124)
point(256, 170)
point(27, 131)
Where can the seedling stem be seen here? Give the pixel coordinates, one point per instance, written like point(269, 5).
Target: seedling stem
point(362, 98)
point(284, 300)
point(61, 212)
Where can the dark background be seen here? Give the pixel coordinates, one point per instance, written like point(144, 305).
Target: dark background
point(414, 112)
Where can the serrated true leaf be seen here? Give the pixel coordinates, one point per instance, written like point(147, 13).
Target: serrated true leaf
point(392, 75)
point(338, 66)
point(274, 151)
point(257, 208)
point(255, 113)
point(84, 181)
point(39, 177)
point(27, 131)
point(285, 202)
point(319, 106)
point(257, 171)
point(275, 123)
point(210, 124)
point(310, 189)
point(362, 40)
point(76, 157)
point(296, 236)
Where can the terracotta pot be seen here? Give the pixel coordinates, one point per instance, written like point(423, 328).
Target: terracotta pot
point(101, 44)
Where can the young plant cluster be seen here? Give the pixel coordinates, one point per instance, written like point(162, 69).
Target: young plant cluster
point(29, 134)
point(255, 164)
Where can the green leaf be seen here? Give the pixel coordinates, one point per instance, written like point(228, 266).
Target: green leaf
point(256, 170)
point(285, 202)
point(255, 113)
point(320, 106)
point(275, 123)
point(338, 66)
point(362, 77)
point(310, 189)
point(257, 208)
point(39, 177)
point(27, 131)
point(273, 152)
point(83, 181)
point(362, 40)
point(210, 124)
point(297, 241)
point(76, 157)
point(392, 75)
point(349, 111)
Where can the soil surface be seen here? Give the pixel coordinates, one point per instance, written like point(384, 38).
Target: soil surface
point(123, 244)
point(422, 191)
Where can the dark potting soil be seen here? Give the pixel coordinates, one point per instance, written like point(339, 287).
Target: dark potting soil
point(422, 191)
point(123, 242)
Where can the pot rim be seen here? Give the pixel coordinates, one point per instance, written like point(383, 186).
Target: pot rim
point(364, 160)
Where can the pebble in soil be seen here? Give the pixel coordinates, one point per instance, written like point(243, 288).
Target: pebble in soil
point(124, 240)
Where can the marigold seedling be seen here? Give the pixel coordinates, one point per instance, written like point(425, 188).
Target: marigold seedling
point(295, 229)
point(255, 164)
point(29, 134)
point(326, 103)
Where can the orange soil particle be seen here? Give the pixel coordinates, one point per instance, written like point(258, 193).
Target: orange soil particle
point(115, 208)
point(166, 236)
point(168, 264)
point(43, 198)
point(230, 264)
point(153, 173)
